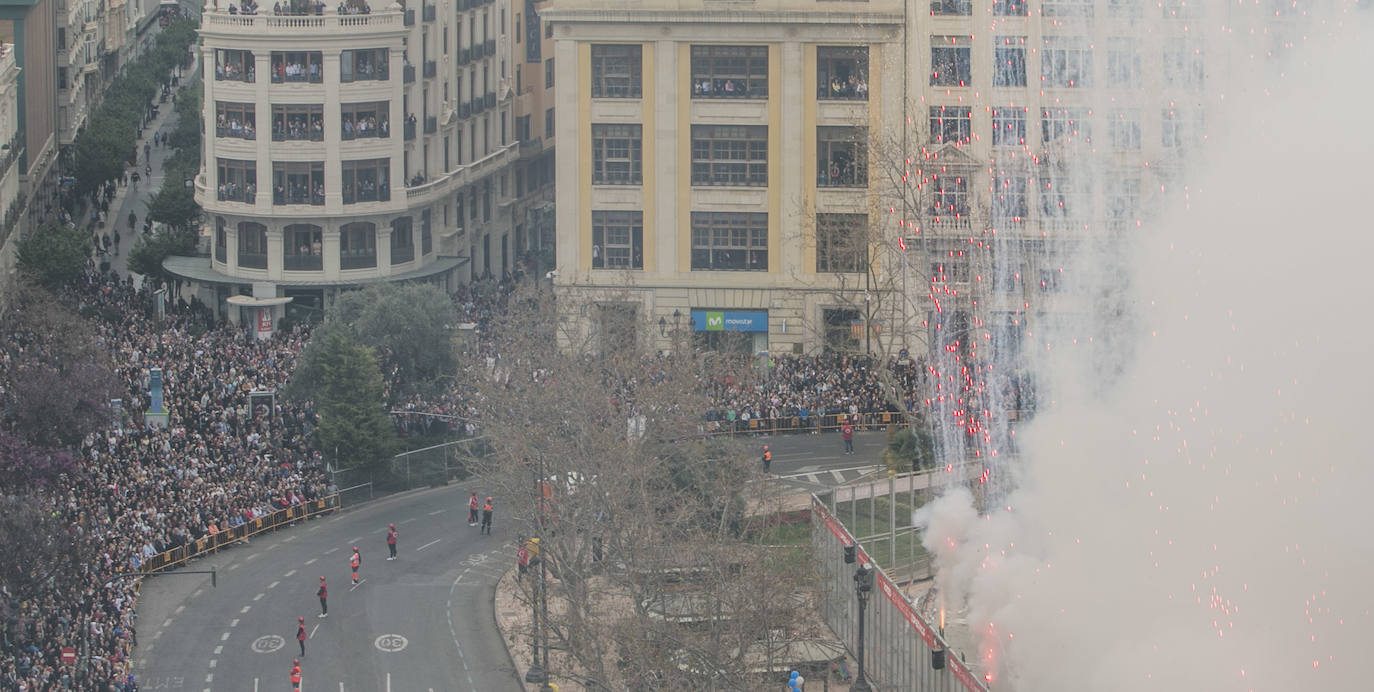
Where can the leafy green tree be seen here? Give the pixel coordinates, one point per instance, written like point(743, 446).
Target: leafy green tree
point(55, 254)
point(174, 204)
point(354, 427)
point(152, 248)
point(411, 326)
point(909, 451)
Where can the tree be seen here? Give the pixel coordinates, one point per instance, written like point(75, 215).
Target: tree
point(24, 466)
point(150, 249)
point(56, 551)
point(55, 254)
point(174, 204)
point(354, 427)
point(410, 326)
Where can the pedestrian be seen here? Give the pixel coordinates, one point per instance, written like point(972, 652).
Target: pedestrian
point(472, 509)
point(391, 540)
point(847, 432)
point(522, 559)
point(767, 458)
point(323, 593)
point(486, 518)
point(116, 241)
point(354, 563)
point(295, 674)
point(300, 633)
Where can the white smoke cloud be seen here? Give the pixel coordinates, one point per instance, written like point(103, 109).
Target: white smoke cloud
point(1202, 523)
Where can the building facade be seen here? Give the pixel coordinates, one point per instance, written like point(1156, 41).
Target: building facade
point(30, 25)
point(347, 147)
point(81, 26)
point(724, 161)
point(9, 153)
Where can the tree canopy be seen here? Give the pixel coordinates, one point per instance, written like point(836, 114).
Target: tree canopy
point(354, 428)
point(55, 254)
point(410, 326)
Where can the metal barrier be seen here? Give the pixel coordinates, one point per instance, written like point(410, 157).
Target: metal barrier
point(900, 645)
point(817, 423)
point(212, 543)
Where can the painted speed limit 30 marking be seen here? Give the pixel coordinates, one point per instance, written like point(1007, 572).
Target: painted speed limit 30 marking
point(267, 644)
point(391, 643)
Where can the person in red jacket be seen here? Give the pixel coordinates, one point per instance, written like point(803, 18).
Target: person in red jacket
point(391, 540)
point(323, 593)
point(472, 509)
point(296, 674)
point(300, 633)
point(847, 432)
point(354, 563)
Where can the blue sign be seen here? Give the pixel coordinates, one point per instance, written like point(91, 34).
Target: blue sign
point(155, 391)
point(729, 321)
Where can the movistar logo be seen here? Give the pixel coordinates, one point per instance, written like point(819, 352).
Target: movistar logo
point(715, 321)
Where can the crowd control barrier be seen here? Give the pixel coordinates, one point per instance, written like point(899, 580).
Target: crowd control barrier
point(176, 557)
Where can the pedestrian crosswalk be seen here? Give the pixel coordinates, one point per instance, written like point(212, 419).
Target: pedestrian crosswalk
point(830, 478)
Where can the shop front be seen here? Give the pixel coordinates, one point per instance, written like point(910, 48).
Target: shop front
point(744, 331)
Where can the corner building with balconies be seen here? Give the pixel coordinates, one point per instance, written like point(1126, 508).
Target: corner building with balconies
point(347, 146)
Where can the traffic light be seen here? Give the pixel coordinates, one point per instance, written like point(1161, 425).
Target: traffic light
point(849, 556)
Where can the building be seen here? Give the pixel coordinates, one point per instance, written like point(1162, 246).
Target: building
point(9, 153)
point(29, 24)
point(346, 146)
point(81, 26)
point(722, 158)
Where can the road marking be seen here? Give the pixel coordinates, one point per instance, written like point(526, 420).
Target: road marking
point(210, 677)
point(313, 631)
point(197, 593)
point(268, 643)
point(309, 562)
point(167, 622)
point(245, 609)
point(273, 585)
point(360, 583)
point(234, 566)
point(407, 521)
point(290, 538)
point(218, 650)
point(428, 544)
point(388, 682)
point(255, 556)
point(331, 551)
point(224, 637)
point(157, 634)
point(291, 573)
point(255, 685)
point(234, 622)
point(437, 511)
point(355, 540)
point(390, 643)
point(179, 609)
point(214, 662)
point(259, 597)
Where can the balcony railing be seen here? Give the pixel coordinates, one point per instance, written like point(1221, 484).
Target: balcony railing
point(236, 132)
point(299, 25)
point(302, 262)
point(401, 255)
point(409, 72)
point(410, 130)
point(464, 109)
point(476, 52)
point(431, 69)
point(372, 194)
point(221, 253)
point(252, 260)
point(491, 99)
point(410, 17)
point(431, 125)
point(464, 56)
point(362, 259)
point(490, 46)
point(478, 104)
point(430, 13)
point(297, 197)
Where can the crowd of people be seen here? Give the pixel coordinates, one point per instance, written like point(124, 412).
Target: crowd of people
point(217, 464)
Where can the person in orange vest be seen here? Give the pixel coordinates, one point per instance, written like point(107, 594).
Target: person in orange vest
point(472, 509)
point(486, 518)
point(522, 559)
point(391, 540)
point(300, 633)
point(323, 593)
point(767, 458)
point(295, 674)
point(354, 563)
point(847, 432)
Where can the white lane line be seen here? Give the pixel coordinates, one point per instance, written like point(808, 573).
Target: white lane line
point(313, 631)
point(289, 574)
point(406, 521)
point(167, 622)
point(255, 685)
point(210, 677)
point(245, 609)
point(355, 540)
point(428, 544)
point(388, 682)
point(157, 634)
point(309, 562)
point(224, 637)
point(214, 662)
point(234, 622)
point(219, 650)
point(360, 583)
point(331, 551)
point(290, 538)
point(234, 566)
point(197, 593)
point(255, 556)
point(273, 585)
point(179, 609)
point(437, 511)
point(259, 597)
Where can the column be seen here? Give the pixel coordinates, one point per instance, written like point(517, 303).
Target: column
point(384, 249)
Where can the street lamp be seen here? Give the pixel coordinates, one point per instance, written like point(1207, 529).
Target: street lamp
point(538, 673)
point(863, 586)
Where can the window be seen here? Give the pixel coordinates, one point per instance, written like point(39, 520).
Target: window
point(950, 62)
point(302, 247)
point(616, 71)
point(358, 245)
point(238, 180)
point(236, 120)
point(948, 195)
point(365, 64)
point(1066, 61)
point(1069, 124)
point(617, 240)
point(297, 123)
point(950, 266)
point(1010, 200)
point(548, 73)
point(1123, 63)
point(1125, 9)
point(234, 65)
point(842, 243)
point(729, 241)
point(426, 232)
point(369, 119)
point(61, 78)
point(221, 240)
point(1122, 198)
point(1067, 8)
point(1182, 9)
point(730, 155)
point(1009, 127)
point(1009, 8)
point(1065, 197)
point(298, 182)
point(252, 245)
point(548, 123)
point(840, 326)
point(617, 155)
point(1123, 127)
point(1183, 63)
point(730, 72)
point(960, 8)
point(841, 156)
point(1009, 61)
point(523, 128)
point(368, 180)
point(297, 66)
point(842, 72)
point(1180, 127)
point(951, 124)
point(402, 241)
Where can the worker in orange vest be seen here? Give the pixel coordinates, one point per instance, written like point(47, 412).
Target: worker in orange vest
point(472, 509)
point(767, 458)
point(295, 674)
point(300, 633)
point(354, 562)
point(486, 517)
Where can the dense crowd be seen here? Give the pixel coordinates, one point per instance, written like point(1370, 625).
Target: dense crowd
point(219, 462)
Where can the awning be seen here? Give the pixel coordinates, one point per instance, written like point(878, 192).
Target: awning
point(250, 301)
point(202, 271)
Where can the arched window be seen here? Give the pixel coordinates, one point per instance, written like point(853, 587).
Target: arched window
point(358, 245)
point(302, 247)
point(221, 240)
point(402, 240)
point(252, 245)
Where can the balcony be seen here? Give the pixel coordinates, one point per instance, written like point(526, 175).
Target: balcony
point(531, 146)
point(430, 13)
point(431, 69)
point(344, 25)
point(361, 259)
point(410, 17)
point(464, 109)
point(443, 187)
point(252, 260)
point(409, 72)
point(490, 47)
point(302, 263)
point(401, 255)
point(464, 56)
point(221, 254)
point(410, 130)
point(431, 124)
point(478, 104)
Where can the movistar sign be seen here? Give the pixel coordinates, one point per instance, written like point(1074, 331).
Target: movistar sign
point(729, 321)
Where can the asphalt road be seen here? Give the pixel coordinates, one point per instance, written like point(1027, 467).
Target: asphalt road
point(810, 462)
point(422, 622)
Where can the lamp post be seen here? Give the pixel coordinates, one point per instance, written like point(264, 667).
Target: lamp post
point(538, 673)
point(863, 586)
